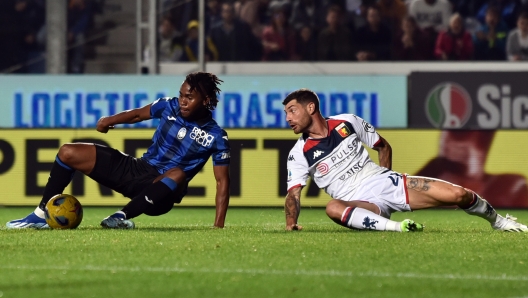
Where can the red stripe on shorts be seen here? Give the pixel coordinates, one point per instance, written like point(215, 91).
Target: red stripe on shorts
point(405, 187)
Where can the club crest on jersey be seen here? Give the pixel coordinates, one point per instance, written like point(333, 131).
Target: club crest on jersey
point(181, 133)
point(343, 130)
point(201, 137)
point(317, 153)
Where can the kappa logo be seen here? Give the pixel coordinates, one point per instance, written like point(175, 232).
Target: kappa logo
point(172, 118)
point(448, 105)
point(317, 153)
point(225, 155)
point(201, 137)
point(181, 133)
point(291, 158)
point(369, 223)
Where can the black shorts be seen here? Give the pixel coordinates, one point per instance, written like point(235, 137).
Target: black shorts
point(130, 176)
point(121, 172)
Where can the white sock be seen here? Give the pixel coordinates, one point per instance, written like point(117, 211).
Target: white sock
point(363, 219)
point(39, 212)
point(481, 208)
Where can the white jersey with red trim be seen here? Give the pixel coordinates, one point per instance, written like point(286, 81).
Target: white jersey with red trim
point(337, 163)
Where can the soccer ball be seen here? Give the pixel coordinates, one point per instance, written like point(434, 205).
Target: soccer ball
point(63, 212)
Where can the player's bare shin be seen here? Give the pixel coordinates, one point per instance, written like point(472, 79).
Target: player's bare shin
point(223, 181)
point(292, 208)
point(384, 153)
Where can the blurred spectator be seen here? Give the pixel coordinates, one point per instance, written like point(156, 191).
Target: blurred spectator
point(334, 41)
point(412, 43)
point(233, 38)
point(190, 52)
point(278, 40)
point(170, 43)
point(247, 11)
point(357, 13)
point(517, 46)
point(392, 12)
point(507, 8)
point(80, 14)
point(13, 35)
point(307, 12)
point(374, 39)
point(35, 39)
point(306, 44)
point(467, 8)
point(454, 43)
point(431, 14)
point(490, 39)
point(212, 14)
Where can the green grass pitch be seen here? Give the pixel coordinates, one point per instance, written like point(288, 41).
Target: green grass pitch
point(179, 255)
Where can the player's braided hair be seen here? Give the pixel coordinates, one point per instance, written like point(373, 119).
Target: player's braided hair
point(303, 96)
point(206, 84)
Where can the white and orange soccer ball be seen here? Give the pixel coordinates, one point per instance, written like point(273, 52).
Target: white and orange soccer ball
point(63, 211)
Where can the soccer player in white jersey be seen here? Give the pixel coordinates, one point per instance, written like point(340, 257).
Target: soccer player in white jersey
point(364, 194)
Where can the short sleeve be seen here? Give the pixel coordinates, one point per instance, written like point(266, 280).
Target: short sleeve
point(222, 155)
point(159, 105)
point(365, 132)
point(297, 167)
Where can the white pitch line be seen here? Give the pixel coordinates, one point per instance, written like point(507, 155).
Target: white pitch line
point(498, 277)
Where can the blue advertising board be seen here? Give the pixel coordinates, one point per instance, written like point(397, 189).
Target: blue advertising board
point(245, 101)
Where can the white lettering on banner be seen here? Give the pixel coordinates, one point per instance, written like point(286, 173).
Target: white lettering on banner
point(507, 112)
point(201, 137)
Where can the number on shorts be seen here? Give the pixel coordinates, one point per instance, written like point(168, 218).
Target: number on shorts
point(395, 180)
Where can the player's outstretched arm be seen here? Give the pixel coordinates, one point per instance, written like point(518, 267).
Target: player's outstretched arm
point(128, 116)
point(221, 174)
point(384, 153)
point(292, 208)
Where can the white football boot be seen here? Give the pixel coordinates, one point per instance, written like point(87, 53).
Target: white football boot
point(509, 224)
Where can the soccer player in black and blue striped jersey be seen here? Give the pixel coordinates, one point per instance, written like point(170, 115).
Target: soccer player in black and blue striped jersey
point(185, 138)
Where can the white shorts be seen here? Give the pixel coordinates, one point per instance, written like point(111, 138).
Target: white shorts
point(387, 190)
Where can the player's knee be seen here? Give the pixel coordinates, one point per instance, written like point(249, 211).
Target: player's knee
point(66, 153)
point(334, 209)
point(460, 195)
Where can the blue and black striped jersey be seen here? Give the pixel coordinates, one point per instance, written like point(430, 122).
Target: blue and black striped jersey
point(184, 144)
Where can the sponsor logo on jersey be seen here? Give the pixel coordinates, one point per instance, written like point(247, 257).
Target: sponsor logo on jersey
point(291, 158)
point(201, 137)
point(367, 127)
point(181, 133)
point(317, 153)
point(353, 170)
point(289, 175)
point(225, 155)
point(323, 168)
point(172, 118)
point(343, 130)
point(448, 105)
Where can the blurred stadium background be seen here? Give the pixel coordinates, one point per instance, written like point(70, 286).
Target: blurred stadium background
point(443, 81)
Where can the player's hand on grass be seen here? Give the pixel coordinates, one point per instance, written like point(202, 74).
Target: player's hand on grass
point(294, 227)
point(102, 126)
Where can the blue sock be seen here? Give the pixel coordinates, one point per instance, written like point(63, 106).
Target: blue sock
point(60, 176)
